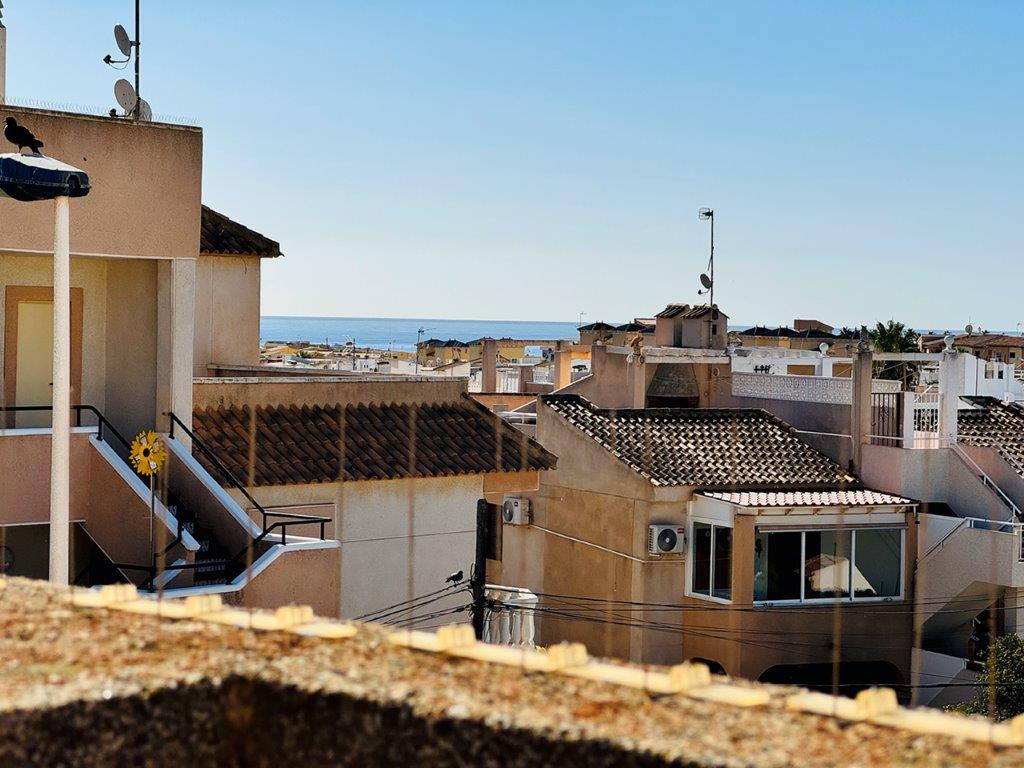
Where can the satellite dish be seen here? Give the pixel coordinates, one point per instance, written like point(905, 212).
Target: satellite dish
point(705, 281)
point(145, 111)
point(124, 43)
point(969, 329)
point(124, 92)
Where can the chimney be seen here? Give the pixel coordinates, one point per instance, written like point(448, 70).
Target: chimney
point(3, 56)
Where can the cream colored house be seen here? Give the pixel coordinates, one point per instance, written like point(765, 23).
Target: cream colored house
point(397, 468)
point(765, 539)
point(227, 321)
point(139, 269)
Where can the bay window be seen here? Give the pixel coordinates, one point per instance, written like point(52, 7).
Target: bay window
point(711, 561)
point(828, 565)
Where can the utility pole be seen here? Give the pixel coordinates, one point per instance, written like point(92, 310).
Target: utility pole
point(478, 577)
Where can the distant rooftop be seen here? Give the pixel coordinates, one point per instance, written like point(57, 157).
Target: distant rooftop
point(687, 312)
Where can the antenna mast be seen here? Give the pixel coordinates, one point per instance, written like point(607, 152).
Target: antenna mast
point(708, 279)
point(138, 95)
point(128, 96)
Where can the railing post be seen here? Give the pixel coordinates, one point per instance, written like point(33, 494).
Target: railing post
point(909, 399)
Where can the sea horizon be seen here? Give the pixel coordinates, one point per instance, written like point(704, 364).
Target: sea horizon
point(402, 333)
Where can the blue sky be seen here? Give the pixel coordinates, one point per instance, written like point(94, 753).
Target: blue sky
point(532, 160)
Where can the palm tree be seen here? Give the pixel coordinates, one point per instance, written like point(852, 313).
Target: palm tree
point(895, 337)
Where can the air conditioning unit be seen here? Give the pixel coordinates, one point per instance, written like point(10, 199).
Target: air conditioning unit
point(666, 539)
point(516, 511)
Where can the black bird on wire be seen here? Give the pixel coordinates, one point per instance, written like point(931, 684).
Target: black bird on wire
point(20, 136)
point(455, 578)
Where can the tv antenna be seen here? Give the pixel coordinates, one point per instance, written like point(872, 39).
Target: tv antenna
point(707, 279)
point(128, 95)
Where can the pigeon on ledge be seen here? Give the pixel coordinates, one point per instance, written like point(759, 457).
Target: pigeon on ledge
point(20, 136)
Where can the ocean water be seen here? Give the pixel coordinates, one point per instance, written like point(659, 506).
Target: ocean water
point(399, 333)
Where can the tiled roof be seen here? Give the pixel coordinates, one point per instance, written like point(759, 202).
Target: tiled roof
point(598, 326)
point(855, 498)
point(974, 340)
point(220, 235)
point(635, 327)
point(991, 423)
point(686, 312)
point(315, 444)
point(704, 447)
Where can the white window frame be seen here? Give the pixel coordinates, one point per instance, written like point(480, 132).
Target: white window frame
point(853, 559)
point(710, 597)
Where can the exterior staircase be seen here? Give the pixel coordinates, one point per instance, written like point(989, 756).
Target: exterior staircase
point(963, 574)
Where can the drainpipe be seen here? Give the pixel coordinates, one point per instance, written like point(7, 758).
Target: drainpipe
point(60, 445)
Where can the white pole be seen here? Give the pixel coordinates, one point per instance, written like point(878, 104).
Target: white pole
point(60, 445)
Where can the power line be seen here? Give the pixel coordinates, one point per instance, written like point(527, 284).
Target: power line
point(874, 607)
point(443, 590)
point(410, 622)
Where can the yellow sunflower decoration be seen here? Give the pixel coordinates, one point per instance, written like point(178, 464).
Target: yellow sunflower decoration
point(148, 453)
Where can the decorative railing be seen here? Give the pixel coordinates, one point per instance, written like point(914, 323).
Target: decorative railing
point(799, 388)
point(509, 618)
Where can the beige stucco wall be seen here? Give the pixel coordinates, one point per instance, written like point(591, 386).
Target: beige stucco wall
point(25, 477)
point(304, 577)
point(146, 180)
point(225, 392)
point(91, 276)
point(131, 348)
point(399, 538)
point(227, 322)
point(112, 513)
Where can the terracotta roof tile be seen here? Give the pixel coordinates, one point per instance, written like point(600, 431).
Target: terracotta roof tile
point(704, 447)
point(220, 235)
point(851, 498)
point(296, 444)
point(994, 424)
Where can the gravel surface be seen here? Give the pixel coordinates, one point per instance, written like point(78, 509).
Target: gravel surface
point(95, 687)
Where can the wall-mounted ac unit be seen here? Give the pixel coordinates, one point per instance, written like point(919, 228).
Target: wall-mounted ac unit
point(515, 511)
point(666, 539)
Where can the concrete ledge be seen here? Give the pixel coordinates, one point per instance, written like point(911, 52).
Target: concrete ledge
point(95, 686)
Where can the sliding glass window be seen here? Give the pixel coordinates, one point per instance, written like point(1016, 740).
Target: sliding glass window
point(828, 565)
point(711, 561)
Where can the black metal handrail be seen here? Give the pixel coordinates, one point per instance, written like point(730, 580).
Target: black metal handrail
point(105, 427)
point(237, 484)
point(152, 571)
point(223, 470)
point(102, 422)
